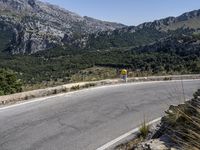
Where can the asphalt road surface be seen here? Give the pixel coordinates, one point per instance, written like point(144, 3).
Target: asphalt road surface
point(87, 119)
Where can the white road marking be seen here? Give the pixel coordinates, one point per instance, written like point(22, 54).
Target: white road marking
point(64, 94)
point(111, 143)
point(28, 102)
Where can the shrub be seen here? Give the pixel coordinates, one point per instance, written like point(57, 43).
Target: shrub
point(9, 83)
point(89, 85)
point(75, 87)
point(167, 78)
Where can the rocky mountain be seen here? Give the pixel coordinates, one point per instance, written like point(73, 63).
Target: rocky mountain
point(187, 20)
point(31, 26)
point(147, 32)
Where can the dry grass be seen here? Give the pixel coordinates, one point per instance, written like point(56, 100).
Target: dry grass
point(182, 123)
point(144, 129)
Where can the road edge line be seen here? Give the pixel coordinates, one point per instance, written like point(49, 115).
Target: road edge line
point(111, 143)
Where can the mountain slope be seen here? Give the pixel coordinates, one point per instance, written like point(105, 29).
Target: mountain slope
point(31, 26)
point(187, 20)
point(172, 55)
point(147, 32)
point(38, 26)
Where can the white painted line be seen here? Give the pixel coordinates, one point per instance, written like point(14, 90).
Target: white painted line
point(109, 144)
point(28, 102)
point(98, 87)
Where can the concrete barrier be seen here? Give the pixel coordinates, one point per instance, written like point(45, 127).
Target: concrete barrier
point(76, 86)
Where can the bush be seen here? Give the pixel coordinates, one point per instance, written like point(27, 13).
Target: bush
point(167, 78)
point(89, 85)
point(75, 87)
point(9, 83)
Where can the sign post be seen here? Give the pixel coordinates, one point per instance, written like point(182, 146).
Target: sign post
point(124, 74)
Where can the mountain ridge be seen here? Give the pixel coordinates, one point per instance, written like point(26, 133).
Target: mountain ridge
point(33, 26)
point(147, 32)
point(169, 21)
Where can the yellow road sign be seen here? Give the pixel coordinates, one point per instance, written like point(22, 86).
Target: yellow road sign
point(124, 72)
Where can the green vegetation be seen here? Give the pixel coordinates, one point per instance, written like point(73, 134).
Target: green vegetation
point(144, 129)
point(9, 83)
point(196, 35)
point(77, 87)
point(94, 74)
point(4, 39)
point(125, 37)
point(173, 55)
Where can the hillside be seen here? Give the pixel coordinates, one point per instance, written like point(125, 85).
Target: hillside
point(29, 26)
point(34, 26)
point(173, 55)
point(43, 43)
point(147, 32)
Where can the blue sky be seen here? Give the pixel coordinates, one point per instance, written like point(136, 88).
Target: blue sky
point(129, 12)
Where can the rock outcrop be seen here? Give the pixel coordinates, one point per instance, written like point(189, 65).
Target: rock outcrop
point(37, 26)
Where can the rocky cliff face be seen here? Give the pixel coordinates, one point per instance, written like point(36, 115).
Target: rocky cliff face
point(31, 26)
point(36, 26)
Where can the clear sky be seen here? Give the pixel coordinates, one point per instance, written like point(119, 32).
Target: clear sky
point(129, 12)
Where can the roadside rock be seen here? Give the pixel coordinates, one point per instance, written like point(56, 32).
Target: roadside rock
point(162, 143)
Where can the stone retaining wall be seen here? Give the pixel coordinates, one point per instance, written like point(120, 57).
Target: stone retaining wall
point(76, 86)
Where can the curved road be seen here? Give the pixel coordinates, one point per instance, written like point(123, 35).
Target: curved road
point(87, 119)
